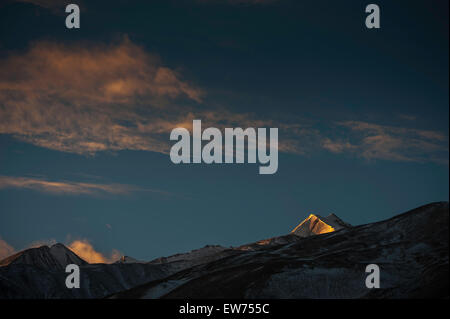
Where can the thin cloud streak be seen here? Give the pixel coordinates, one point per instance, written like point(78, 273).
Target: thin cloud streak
point(69, 187)
point(374, 141)
point(46, 3)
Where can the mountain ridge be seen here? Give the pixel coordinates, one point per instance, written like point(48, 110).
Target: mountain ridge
point(55, 256)
point(409, 246)
point(58, 255)
point(317, 224)
point(413, 261)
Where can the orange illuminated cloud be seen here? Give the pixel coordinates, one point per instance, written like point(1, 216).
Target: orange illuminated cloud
point(87, 252)
point(81, 247)
point(5, 249)
point(86, 98)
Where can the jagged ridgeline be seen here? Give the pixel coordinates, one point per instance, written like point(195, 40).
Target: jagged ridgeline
point(323, 257)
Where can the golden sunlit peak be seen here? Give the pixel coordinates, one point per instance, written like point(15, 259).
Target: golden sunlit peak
point(316, 224)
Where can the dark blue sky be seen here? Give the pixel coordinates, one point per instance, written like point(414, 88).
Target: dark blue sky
point(363, 118)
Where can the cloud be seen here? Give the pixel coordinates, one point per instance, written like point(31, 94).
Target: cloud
point(5, 249)
point(407, 117)
point(374, 141)
point(87, 252)
point(69, 187)
point(56, 6)
point(336, 146)
point(86, 98)
point(81, 247)
point(46, 3)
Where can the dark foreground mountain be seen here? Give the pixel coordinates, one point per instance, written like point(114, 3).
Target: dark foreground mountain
point(322, 258)
point(54, 257)
point(40, 273)
point(411, 250)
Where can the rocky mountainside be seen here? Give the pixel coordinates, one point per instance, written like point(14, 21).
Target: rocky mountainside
point(55, 257)
point(194, 257)
point(40, 273)
point(320, 258)
point(410, 249)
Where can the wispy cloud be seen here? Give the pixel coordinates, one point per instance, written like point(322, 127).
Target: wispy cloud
point(87, 98)
point(70, 187)
point(374, 141)
point(407, 117)
point(46, 3)
point(56, 6)
point(337, 146)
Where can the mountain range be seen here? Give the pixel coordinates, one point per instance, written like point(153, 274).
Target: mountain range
point(323, 257)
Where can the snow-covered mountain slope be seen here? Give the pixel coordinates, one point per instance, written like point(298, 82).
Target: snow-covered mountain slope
point(182, 260)
point(57, 256)
point(312, 225)
point(40, 273)
point(274, 241)
point(96, 280)
point(23, 280)
point(316, 224)
point(206, 251)
point(411, 250)
point(129, 260)
point(194, 257)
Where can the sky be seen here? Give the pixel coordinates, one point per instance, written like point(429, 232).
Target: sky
point(86, 115)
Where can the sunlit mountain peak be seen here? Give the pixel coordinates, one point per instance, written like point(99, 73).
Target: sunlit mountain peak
point(316, 224)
